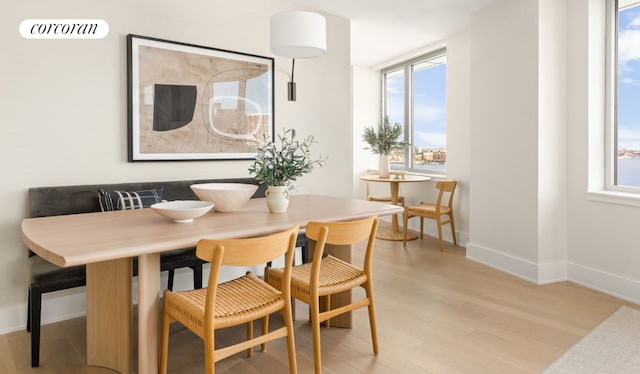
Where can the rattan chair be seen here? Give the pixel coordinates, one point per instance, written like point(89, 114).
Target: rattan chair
point(328, 275)
point(239, 301)
point(434, 211)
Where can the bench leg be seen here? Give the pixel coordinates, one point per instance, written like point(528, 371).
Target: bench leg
point(35, 310)
point(29, 310)
point(197, 276)
point(170, 280)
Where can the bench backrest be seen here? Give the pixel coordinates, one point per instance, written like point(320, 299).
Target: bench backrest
point(61, 200)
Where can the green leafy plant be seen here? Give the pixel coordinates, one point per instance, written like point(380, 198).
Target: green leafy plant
point(278, 164)
point(385, 139)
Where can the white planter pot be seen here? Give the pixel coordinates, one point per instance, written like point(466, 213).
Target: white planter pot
point(277, 199)
point(383, 168)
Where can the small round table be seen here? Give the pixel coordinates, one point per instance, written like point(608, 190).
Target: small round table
point(394, 183)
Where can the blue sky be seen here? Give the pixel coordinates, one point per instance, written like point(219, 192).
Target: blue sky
point(629, 78)
point(429, 105)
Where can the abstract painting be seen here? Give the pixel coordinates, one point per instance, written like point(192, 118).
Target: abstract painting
point(189, 102)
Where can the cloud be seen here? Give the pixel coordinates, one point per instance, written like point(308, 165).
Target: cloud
point(428, 113)
point(430, 139)
point(635, 22)
point(629, 138)
point(395, 86)
point(628, 42)
point(630, 81)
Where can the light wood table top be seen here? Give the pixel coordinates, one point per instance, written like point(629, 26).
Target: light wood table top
point(395, 179)
point(107, 241)
point(394, 184)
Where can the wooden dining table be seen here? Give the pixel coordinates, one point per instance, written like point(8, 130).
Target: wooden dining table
point(106, 242)
point(394, 181)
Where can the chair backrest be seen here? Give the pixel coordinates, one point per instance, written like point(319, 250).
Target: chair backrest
point(249, 251)
point(245, 252)
point(445, 187)
point(343, 233)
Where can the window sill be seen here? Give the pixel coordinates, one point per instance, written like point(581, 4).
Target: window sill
point(614, 197)
point(430, 175)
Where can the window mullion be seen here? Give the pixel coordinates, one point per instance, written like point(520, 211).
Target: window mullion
point(408, 116)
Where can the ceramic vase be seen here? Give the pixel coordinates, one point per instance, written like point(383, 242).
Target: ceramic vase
point(383, 168)
point(277, 199)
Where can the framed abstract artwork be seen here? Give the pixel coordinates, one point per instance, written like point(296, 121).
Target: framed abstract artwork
point(189, 102)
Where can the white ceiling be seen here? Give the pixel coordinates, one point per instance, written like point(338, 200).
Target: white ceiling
point(384, 29)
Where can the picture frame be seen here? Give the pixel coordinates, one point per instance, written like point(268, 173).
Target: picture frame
point(189, 102)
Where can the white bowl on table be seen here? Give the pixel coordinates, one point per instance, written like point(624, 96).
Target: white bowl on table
point(227, 197)
point(182, 211)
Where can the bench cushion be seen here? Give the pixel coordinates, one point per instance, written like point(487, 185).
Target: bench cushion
point(43, 272)
point(61, 200)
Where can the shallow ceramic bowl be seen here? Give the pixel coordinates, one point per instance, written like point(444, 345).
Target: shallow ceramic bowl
point(227, 197)
point(182, 210)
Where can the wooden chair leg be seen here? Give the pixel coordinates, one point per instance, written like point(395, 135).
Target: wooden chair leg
point(291, 345)
point(421, 227)
point(372, 317)
point(164, 343)
point(314, 307)
point(327, 303)
point(405, 223)
point(439, 224)
point(265, 330)
point(249, 337)
point(453, 229)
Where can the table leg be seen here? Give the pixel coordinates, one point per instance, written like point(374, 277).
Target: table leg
point(148, 312)
point(394, 233)
point(395, 187)
point(109, 315)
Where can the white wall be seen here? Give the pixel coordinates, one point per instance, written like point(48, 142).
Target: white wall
point(603, 237)
point(552, 141)
point(64, 110)
point(537, 107)
point(504, 136)
point(458, 132)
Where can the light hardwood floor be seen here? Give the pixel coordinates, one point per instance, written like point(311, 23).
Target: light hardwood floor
point(437, 313)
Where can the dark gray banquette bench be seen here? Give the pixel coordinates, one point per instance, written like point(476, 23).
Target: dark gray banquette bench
point(51, 201)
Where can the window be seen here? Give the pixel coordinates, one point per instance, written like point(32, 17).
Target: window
point(414, 95)
point(623, 95)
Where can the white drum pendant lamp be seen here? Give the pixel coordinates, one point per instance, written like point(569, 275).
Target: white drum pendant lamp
point(298, 34)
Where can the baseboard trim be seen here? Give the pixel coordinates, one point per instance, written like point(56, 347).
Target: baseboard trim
point(595, 279)
point(602, 281)
point(520, 268)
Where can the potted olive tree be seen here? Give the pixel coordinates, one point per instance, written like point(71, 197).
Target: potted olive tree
point(278, 164)
point(382, 141)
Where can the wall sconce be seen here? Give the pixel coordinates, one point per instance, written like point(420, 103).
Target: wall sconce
point(298, 34)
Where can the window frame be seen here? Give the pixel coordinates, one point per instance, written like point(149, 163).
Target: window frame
point(611, 101)
point(408, 129)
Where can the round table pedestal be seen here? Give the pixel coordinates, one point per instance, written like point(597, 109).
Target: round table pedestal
point(395, 235)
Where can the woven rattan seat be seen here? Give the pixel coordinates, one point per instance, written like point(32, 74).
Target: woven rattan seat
point(335, 276)
point(238, 301)
point(328, 275)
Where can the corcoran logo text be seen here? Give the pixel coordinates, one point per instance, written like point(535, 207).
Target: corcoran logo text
point(64, 29)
